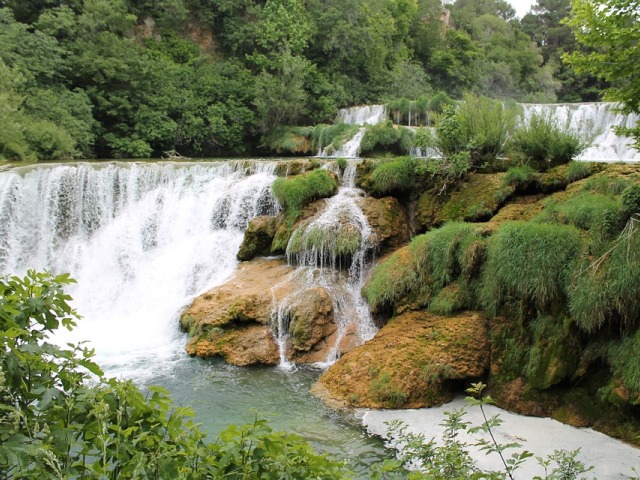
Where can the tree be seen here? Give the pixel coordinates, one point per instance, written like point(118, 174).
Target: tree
point(611, 30)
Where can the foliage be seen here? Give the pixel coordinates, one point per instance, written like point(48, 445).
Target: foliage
point(393, 177)
point(334, 136)
point(631, 201)
point(606, 185)
point(60, 418)
point(604, 291)
point(584, 210)
point(529, 263)
point(542, 143)
point(380, 135)
point(609, 31)
point(294, 193)
point(291, 140)
point(521, 177)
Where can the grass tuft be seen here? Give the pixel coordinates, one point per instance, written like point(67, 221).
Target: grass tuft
point(294, 193)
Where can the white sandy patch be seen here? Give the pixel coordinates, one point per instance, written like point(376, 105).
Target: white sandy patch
point(611, 459)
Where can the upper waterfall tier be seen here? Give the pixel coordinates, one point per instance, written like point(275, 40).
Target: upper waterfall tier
point(364, 115)
point(140, 239)
point(595, 122)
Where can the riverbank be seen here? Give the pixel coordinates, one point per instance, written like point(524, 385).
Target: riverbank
point(611, 459)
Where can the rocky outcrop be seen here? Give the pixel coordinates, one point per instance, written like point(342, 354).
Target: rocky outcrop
point(258, 238)
point(388, 220)
point(237, 320)
point(411, 362)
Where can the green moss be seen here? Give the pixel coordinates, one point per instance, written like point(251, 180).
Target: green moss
point(382, 389)
point(529, 263)
point(294, 193)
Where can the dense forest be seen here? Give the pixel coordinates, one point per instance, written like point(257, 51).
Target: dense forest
point(125, 79)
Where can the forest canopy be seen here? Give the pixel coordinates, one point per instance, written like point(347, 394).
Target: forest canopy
point(122, 79)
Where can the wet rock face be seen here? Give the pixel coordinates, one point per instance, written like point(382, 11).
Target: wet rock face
point(234, 320)
point(388, 220)
point(412, 362)
point(258, 238)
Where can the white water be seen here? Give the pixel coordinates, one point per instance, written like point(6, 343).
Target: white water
point(320, 266)
point(595, 122)
point(140, 239)
point(363, 115)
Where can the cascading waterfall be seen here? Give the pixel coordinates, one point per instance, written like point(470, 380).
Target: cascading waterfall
point(140, 239)
point(364, 115)
point(595, 122)
point(340, 236)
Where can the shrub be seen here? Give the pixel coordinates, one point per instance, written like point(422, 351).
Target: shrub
point(439, 102)
point(577, 171)
point(521, 177)
point(542, 144)
point(294, 193)
point(529, 263)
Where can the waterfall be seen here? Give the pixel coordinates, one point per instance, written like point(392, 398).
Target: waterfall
point(595, 122)
point(338, 238)
point(350, 149)
point(140, 239)
point(364, 115)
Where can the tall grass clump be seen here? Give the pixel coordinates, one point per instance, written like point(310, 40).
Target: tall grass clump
point(631, 201)
point(329, 243)
point(625, 360)
point(285, 139)
point(486, 125)
point(395, 176)
point(577, 171)
point(391, 280)
point(529, 263)
point(607, 290)
point(588, 211)
point(337, 135)
point(294, 193)
point(606, 185)
point(521, 177)
point(542, 143)
point(382, 135)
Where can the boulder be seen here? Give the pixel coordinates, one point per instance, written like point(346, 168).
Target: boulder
point(429, 352)
point(258, 238)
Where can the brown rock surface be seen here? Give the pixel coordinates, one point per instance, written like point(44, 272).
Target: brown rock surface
point(258, 238)
point(410, 361)
point(388, 220)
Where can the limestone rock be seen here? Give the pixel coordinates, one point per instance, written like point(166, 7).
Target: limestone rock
point(258, 238)
point(311, 319)
point(410, 362)
point(388, 220)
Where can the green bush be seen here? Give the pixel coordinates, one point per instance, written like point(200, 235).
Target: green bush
point(605, 291)
point(542, 144)
point(577, 171)
point(529, 263)
point(439, 102)
point(521, 177)
point(294, 193)
point(393, 177)
point(382, 135)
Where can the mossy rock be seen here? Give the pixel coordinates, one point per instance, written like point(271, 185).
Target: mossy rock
point(312, 319)
point(388, 220)
point(429, 352)
point(258, 238)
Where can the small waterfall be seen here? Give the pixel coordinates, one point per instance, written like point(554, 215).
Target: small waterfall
point(350, 149)
point(364, 115)
point(332, 251)
point(595, 122)
point(140, 239)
